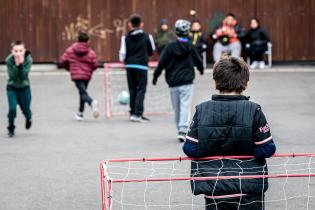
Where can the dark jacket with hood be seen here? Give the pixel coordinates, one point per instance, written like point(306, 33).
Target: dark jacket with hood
point(80, 60)
point(18, 75)
point(136, 48)
point(179, 59)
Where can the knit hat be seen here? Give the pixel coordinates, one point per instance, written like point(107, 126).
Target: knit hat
point(164, 22)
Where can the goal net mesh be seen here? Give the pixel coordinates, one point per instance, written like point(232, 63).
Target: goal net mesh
point(164, 183)
point(157, 99)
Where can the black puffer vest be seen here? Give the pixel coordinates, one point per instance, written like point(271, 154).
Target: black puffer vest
point(225, 128)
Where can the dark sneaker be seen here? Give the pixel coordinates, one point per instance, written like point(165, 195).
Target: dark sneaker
point(28, 124)
point(181, 136)
point(144, 119)
point(10, 132)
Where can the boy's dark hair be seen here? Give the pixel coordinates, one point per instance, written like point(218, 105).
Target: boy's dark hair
point(18, 42)
point(230, 15)
point(135, 20)
point(83, 37)
point(231, 74)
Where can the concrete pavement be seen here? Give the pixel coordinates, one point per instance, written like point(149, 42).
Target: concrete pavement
point(55, 165)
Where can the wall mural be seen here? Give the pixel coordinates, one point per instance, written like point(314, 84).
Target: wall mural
point(118, 27)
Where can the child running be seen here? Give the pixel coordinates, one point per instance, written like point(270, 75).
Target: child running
point(19, 64)
point(230, 125)
point(81, 61)
point(179, 59)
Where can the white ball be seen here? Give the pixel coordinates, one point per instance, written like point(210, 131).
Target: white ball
point(123, 98)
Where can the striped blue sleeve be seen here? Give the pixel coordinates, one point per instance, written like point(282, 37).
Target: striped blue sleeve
point(190, 146)
point(266, 150)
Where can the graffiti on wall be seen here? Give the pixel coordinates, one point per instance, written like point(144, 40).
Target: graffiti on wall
point(118, 27)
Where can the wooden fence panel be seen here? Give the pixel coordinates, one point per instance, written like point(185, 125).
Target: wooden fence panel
point(49, 27)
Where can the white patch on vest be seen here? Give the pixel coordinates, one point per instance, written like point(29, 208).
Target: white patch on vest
point(264, 129)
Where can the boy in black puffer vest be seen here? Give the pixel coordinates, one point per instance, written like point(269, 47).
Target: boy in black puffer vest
point(230, 125)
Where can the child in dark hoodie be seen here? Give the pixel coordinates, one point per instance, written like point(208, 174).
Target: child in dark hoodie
point(81, 61)
point(179, 59)
point(135, 49)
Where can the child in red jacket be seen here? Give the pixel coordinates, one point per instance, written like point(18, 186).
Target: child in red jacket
point(81, 61)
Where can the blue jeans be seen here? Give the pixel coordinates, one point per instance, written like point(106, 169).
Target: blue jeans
point(181, 98)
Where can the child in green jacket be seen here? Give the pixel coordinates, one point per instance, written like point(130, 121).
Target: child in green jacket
point(19, 64)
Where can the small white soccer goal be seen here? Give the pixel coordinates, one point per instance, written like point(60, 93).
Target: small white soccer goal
point(164, 183)
point(157, 99)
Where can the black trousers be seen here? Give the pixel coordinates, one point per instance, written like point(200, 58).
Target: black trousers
point(256, 53)
point(247, 202)
point(257, 56)
point(82, 86)
point(137, 85)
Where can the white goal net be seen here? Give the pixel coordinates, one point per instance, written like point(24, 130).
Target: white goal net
point(165, 183)
point(157, 99)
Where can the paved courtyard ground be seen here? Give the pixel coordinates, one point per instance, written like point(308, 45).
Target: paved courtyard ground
point(55, 165)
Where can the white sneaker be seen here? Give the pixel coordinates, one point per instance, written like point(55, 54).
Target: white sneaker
point(262, 65)
point(79, 116)
point(181, 136)
point(95, 109)
point(134, 118)
point(254, 65)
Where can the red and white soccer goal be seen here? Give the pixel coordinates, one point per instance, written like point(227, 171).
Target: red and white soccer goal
point(157, 99)
point(164, 183)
